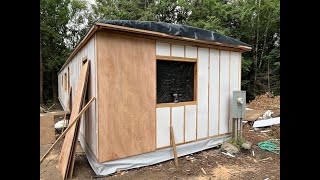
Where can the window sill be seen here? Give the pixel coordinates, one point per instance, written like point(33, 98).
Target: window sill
point(176, 104)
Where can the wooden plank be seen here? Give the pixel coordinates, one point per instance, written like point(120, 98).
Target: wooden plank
point(173, 143)
point(197, 140)
point(190, 127)
point(178, 123)
point(73, 152)
point(163, 126)
point(177, 51)
point(203, 62)
point(214, 93)
point(68, 128)
point(171, 58)
point(224, 92)
point(176, 104)
point(127, 96)
point(66, 150)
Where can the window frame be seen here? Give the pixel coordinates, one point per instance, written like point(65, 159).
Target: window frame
point(195, 82)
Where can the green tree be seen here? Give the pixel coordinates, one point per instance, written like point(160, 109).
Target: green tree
point(55, 32)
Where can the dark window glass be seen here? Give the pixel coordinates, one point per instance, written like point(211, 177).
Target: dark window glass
point(175, 81)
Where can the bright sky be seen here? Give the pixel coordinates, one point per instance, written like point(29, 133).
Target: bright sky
point(92, 1)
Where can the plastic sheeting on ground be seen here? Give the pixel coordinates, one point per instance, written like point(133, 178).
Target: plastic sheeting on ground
point(266, 122)
point(149, 158)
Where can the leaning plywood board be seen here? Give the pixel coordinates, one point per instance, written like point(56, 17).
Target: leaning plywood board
point(127, 95)
point(67, 147)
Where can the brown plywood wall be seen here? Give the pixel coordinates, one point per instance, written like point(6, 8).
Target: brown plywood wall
point(127, 95)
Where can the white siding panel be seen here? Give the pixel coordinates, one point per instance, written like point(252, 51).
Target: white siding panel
point(178, 123)
point(177, 51)
point(224, 91)
point(214, 93)
point(162, 49)
point(203, 59)
point(191, 124)
point(163, 126)
point(191, 52)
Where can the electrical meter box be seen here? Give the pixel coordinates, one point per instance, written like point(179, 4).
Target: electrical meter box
point(239, 104)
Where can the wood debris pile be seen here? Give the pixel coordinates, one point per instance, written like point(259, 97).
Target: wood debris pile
point(266, 101)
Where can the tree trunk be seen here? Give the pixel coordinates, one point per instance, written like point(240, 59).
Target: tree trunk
point(265, 41)
point(269, 75)
point(54, 85)
point(41, 75)
point(256, 49)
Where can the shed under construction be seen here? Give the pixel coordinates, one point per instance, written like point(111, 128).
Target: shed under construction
point(146, 77)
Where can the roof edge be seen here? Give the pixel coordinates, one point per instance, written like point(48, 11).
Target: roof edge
point(92, 30)
point(163, 35)
point(96, 26)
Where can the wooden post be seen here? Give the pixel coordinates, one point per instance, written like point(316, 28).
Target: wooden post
point(174, 146)
point(65, 132)
point(235, 129)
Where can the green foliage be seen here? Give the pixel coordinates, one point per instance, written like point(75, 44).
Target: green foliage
point(237, 143)
point(59, 32)
point(257, 22)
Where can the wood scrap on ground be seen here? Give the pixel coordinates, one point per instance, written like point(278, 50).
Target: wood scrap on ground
point(266, 102)
point(47, 132)
point(69, 127)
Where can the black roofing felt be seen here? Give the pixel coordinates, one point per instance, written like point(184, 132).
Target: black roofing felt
point(176, 30)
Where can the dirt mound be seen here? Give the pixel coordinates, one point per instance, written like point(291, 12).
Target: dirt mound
point(265, 101)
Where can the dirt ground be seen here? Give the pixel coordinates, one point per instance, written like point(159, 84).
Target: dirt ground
point(206, 165)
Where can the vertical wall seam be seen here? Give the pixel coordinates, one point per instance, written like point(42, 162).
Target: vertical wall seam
point(197, 93)
point(229, 93)
point(208, 91)
point(219, 96)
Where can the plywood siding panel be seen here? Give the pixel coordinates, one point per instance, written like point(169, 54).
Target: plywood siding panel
point(224, 92)
point(162, 49)
point(127, 96)
point(203, 62)
point(178, 123)
point(163, 127)
point(177, 51)
point(191, 52)
point(235, 59)
point(190, 131)
point(214, 93)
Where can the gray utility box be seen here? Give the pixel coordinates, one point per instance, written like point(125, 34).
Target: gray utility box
point(239, 104)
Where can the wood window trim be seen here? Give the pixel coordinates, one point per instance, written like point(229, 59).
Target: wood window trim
point(65, 81)
point(195, 83)
point(173, 58)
